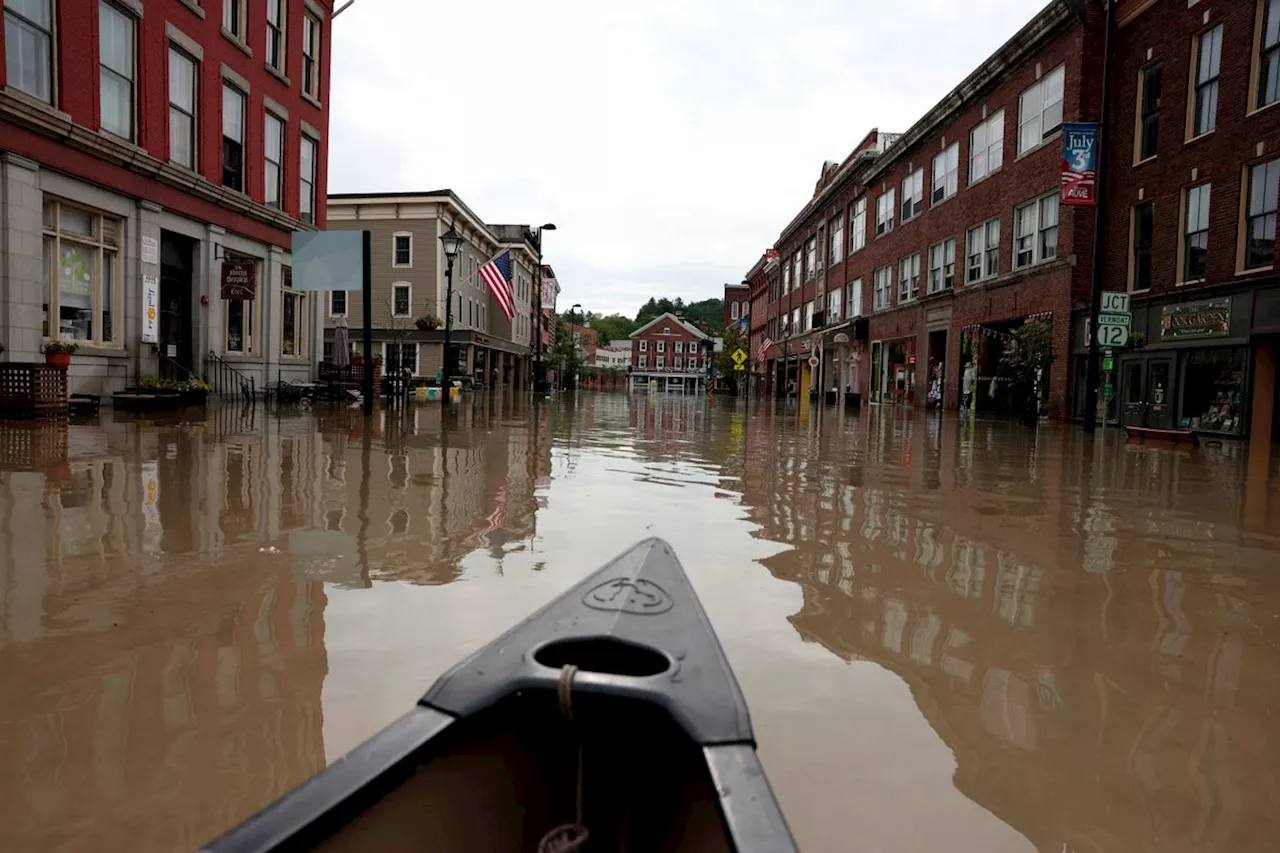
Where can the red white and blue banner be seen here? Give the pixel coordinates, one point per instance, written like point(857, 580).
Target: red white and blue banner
point(1080, 163)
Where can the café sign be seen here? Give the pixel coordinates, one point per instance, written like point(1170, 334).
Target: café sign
point(239, 280)
point(1208, 319)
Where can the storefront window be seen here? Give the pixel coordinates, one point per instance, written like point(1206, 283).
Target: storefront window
point(293, 317)
point(81, 253)
point(241, 322)
point(1214, 391)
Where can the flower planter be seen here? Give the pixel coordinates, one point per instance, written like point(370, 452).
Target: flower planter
point(60, 360)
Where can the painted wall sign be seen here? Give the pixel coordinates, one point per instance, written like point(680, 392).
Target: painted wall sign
point(1079, 163)
point(239, 280)
point(150, 309)
point(150, 250)
point(1208, 319)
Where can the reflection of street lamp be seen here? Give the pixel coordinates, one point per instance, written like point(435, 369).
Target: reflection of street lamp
point(540, 375)
point(451, 240)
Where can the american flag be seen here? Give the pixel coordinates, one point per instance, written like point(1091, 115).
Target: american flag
point(497, 274)
point(765, 343)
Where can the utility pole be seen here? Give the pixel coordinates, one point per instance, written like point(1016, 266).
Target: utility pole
point(1092, 373)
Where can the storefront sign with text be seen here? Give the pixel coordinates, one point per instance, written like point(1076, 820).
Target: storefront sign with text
point(1079, 162)
point(239, 280)
point(1209, 319)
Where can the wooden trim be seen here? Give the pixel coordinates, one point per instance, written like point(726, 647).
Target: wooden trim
point(1242, 215)
point(1124, 17)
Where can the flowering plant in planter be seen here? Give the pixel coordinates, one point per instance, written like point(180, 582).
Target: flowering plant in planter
point(428, 322)
point(58, 353)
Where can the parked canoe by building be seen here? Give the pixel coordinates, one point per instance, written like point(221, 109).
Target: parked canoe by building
point(608, 720)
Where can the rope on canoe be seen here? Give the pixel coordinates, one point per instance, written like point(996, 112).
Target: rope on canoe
point(567, 837)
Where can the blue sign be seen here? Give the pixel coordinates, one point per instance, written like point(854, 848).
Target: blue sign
point(328, 260)
point(1079, 162)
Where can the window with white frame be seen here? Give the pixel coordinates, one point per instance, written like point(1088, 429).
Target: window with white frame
point(786, 278)
point(310, 55)
point(946, 173)
point(810, 258)
point(273, 159)
point(733, 310)
point(401, 358)
point(1040, 109)
point(233, 17)
point(644, 346)
point(884, 212)
point(240, 323)
point(662, 346)
point(337, 303)
point(1268, 85)
point(678, 363)
point(232, 138)
point(402, 250)
point(28, 34)
point(808, 316)
point(660, 362)
point(913, 194)
point(834, 300)
point(942, 265)
point(182, 108)
point(983, 251)
point(986, 147)
point(293, 317)
point(116, 69)
point(1263, 184)
point(1208, 66)
point(642, 361)
point(679, 345)
point(1195, 236)
point(1150, 84)
point(853, 299)
point(307, 180)
point(909, 277)
point(276, 51)
point(795, 320)
point(882, 287)
point(1035, 231)
point(83, 275)
point(402, 299)
point(858, 225)
point(835, 240)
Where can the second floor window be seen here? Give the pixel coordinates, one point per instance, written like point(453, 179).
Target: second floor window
point(1149, 117)
point(912, 194)
point(307, 180)
point(273, 157)
point(909, 277)
point(858, 225)
point(834, 298)
point(1195, 238)
point(182, 108)
point(1260, 215)
point(662, 346)
point(232, 138)
point(983, 251)
point(115, 70)
point(1040, 109)
point(883, 287)
point(28, 58)
point(402, 250)
point(401, 300)
point(1204, 116)
point(338, 303)
point(942, 265)
point(275, 34)
point(1035, 227)
point(853, 298)
point(1143, 229)
point(884, 213)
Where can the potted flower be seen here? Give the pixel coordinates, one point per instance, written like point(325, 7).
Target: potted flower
point(58, 353)
point(428, 323)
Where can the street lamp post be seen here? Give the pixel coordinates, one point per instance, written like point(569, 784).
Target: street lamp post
point(451, 240)
point(539, 370)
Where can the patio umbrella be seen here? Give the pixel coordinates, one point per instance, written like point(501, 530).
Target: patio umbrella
point(341, 354)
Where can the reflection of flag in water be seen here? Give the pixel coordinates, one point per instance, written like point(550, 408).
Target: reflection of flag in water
point(765, 343)
point(498, 517)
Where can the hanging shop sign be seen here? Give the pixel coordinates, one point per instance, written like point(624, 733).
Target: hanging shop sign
point(1079, 163)
point(150, 309)
point(239, 280)
point(1208, 319)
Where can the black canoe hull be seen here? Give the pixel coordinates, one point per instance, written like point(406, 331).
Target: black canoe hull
point(489, 761)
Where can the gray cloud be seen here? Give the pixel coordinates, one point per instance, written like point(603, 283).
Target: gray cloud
point(669, 141)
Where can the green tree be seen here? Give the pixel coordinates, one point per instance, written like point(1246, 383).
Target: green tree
point(612, 327)
point(1026, 362)
point(565, 356)
point(725, 365)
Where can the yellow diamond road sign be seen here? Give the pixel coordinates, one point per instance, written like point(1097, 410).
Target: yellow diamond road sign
point(739, 356)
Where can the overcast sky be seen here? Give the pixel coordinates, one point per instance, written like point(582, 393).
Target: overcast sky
point(669, 140)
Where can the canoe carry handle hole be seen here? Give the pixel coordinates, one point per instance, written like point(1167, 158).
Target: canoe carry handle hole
point(605, 655)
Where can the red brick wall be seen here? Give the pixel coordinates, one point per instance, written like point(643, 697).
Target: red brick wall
point(1167, 32)
point(735, 293)
point(655, 334)
point(77, 95)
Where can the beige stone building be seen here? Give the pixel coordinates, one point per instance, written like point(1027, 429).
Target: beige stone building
point(409, 284)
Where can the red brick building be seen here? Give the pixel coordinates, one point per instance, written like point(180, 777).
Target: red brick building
point(668, 353)
point(143, 146)
point(1194, 173)
point(737, 303)
point(919, 253)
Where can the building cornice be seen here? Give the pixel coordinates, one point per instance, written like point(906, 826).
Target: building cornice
point(40, 118)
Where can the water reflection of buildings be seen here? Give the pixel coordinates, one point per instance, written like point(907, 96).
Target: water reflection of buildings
point(162, 599)
point(1082, 652)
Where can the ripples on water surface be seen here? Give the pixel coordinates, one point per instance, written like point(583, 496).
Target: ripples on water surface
point(951, 635)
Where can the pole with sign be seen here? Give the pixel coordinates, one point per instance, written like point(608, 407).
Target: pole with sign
point(1114, 320)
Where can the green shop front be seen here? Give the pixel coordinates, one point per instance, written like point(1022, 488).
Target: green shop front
point(1191, 364)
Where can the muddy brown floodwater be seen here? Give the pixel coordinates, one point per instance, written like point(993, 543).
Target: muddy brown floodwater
point(951, 635)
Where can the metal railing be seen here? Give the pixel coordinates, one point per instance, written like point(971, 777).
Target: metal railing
point(226, 380)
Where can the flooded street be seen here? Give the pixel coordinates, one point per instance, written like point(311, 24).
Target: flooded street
point(951, 635)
